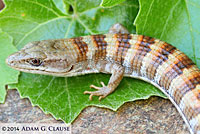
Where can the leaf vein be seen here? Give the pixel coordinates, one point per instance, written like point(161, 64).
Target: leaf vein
point(68, 97)
point(145, 22)
point(191, 33)
point(42, 6)
point(17, 18)
point(34, 29)
point(41, 93)
point(95, 8)
point(68, 29)
point(168, 18)
point(85, 26)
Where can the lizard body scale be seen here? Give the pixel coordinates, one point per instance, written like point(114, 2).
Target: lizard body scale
point(137, 56)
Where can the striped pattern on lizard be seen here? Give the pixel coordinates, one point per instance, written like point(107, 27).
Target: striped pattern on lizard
point(137, 56)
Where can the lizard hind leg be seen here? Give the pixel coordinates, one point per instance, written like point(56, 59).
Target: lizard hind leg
point(118, 28)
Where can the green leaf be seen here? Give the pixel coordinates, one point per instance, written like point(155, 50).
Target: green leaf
point(110, 3)
point(64, 98)
point(61, 5)
point(174, 21)
point(39, 20)
point(7, 74)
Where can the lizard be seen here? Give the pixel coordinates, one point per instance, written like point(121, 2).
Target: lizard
point(119, 54)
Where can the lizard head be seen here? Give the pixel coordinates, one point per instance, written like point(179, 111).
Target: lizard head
point(50, 57)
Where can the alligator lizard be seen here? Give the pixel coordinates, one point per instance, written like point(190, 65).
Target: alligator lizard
point(120, 54)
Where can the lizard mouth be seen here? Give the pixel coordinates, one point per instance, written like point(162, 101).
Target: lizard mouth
point(40, 71)
point(72, 67)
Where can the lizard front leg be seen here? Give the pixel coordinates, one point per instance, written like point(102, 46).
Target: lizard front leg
point(116, 77)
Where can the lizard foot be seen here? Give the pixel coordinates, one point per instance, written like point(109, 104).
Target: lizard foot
point(102, 92)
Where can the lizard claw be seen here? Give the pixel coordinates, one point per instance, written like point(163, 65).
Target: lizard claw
point(102, 92)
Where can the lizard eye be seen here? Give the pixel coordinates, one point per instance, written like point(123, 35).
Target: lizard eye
point(35, 62)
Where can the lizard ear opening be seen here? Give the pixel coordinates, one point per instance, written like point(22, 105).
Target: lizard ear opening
point(72, 67)
point(35, 62)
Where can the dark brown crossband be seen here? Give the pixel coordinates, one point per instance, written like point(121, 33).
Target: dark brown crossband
point(176, 70)
point(100, 45)
point(122, 46)
point(189, 84)
point(143, 47)
point(82, 48)
point(161, 55)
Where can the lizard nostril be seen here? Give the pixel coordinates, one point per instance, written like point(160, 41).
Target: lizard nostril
point(10, 59)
